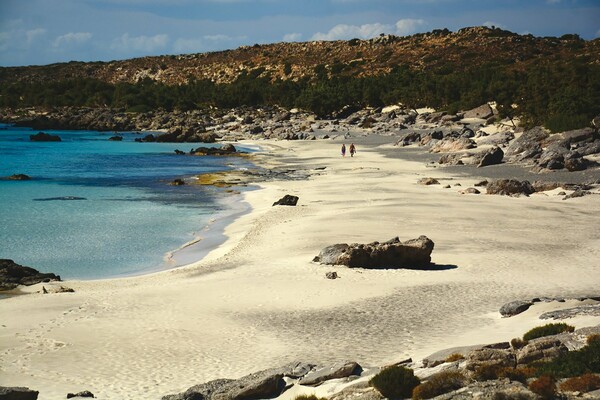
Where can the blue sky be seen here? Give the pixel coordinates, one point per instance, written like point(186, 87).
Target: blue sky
point(35, 32)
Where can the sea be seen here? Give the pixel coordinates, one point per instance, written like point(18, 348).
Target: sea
point(97, 208)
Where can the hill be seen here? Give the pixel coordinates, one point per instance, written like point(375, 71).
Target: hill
point(555, 81)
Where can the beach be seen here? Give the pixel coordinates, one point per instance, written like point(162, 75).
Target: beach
point(258, 301)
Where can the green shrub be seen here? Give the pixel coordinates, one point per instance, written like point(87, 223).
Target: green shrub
point(519, 374)
point(584, 383)
point(573, 363)
point(517, 343)
point(395, 382)
point(440, 383)
point(544, 386)
point(487, 372)
point(548, 330)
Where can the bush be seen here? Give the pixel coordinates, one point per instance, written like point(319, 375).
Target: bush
point(544, 386)
point(593, 338)
point(548, 330)
point(573, 363)
point(440, 383)
point(519, 374)
point(395, 382)
point(454, 357)
point(517, 343)
point(487, 372)
point(584, 383)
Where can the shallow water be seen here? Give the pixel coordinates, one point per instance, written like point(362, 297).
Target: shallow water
point(97, 208)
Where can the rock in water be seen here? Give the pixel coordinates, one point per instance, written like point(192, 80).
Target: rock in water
point(18, 177)
point(287, 200)
point(391, 254)
point(44, 137)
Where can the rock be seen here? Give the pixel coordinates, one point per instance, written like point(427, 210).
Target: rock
point(467, 132)
point(64, 289)
point(554, 156)
point(85, 393)
point(596, 122)
point(527, 146)
point(491, 390)
point(179, 152)
point(579, 135)
point(177, 182)
point(452, 144)
point(331, 275)
point(265, 384)
point(287, 200)
point(44, 137)
point(391, 254)
point(428, 181)
point(61, 198)
point(514, 308)
point(13, 275)
point(225, 150)
point(18, 177)
point(510, 187)
point(470, 191)
point(483, 112)
point(491, 157)
point(497, 139)
point(228, 147)
point(339, 370)
point(577, 193)
point(116, 138)
point(490, 357)
point(589, 310)
point(541, 186)
point(574, 161)
point(360, 391)
point(542, 349)
point(481, 183)
point(17, 393)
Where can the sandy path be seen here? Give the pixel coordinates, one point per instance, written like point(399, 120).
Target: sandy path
point(258, 301)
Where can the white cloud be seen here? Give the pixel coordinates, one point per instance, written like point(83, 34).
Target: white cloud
point(292, 37)
point(72, 38)
point(366, 31)
point(140, 44)
point(33, 34)
point(407, 26)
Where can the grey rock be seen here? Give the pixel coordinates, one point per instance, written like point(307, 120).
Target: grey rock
point(44, 137)
point(497, 139)
point(391, 254)
point(490, 390)
point(514, 308)
point(577, 193)
point(18, 177)
point(490, 357)
point(428, 181)
point(470, 191)
point(13, 275)
point(484, 111)
point(287, 200)
point(341, 369)
point(331, 275)
point(359, 391)
point(510, 187)
point(542, 349)
point(554, 156)
point(17, 393)
point(85, 393)
point(589, 310)
point(528, 146)
point(491, 157)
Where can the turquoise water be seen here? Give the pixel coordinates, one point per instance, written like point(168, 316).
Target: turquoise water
point(97, 208)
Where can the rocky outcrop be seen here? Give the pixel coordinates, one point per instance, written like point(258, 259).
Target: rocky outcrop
point(588, 310)
point(483, 112)
point(490, 357)
point(44, 137)
point(13, 275)
point(224, 150)
point(510, 187)
point(542, 349)
point(515, 307)
point(428, 181)
point(413, 253)
point(85, 393)
point(287, 200)
point(17, 393)
point(18, 177)
point(528, 146)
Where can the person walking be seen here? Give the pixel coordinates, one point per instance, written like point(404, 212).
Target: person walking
point(352, 150)
point(344, 150)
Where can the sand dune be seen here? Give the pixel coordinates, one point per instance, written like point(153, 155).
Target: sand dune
point(258, 301)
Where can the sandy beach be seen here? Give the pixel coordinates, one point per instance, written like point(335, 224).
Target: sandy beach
point(258, 300)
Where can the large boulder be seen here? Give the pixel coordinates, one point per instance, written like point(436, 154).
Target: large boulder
point(390, 254)
point(490, 357)
point(491, 157)
point(341, 369)
point(287, 200)
point(528, 146)
point(44, 137)
point(542, 349)
point(17, 393)
point(452, 144)
point(484, 111)
point(510, 187)
point(514, 308)
point(13, 275)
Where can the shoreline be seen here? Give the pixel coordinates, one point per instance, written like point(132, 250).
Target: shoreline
point(258, 300)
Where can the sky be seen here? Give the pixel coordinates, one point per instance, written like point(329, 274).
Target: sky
point(40, 32)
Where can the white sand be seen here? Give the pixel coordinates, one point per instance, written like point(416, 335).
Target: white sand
point(258, 301)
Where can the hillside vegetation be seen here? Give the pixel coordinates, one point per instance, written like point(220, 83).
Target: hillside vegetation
point(550, 81)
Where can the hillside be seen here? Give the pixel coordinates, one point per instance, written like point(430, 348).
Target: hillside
point(550, 81)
